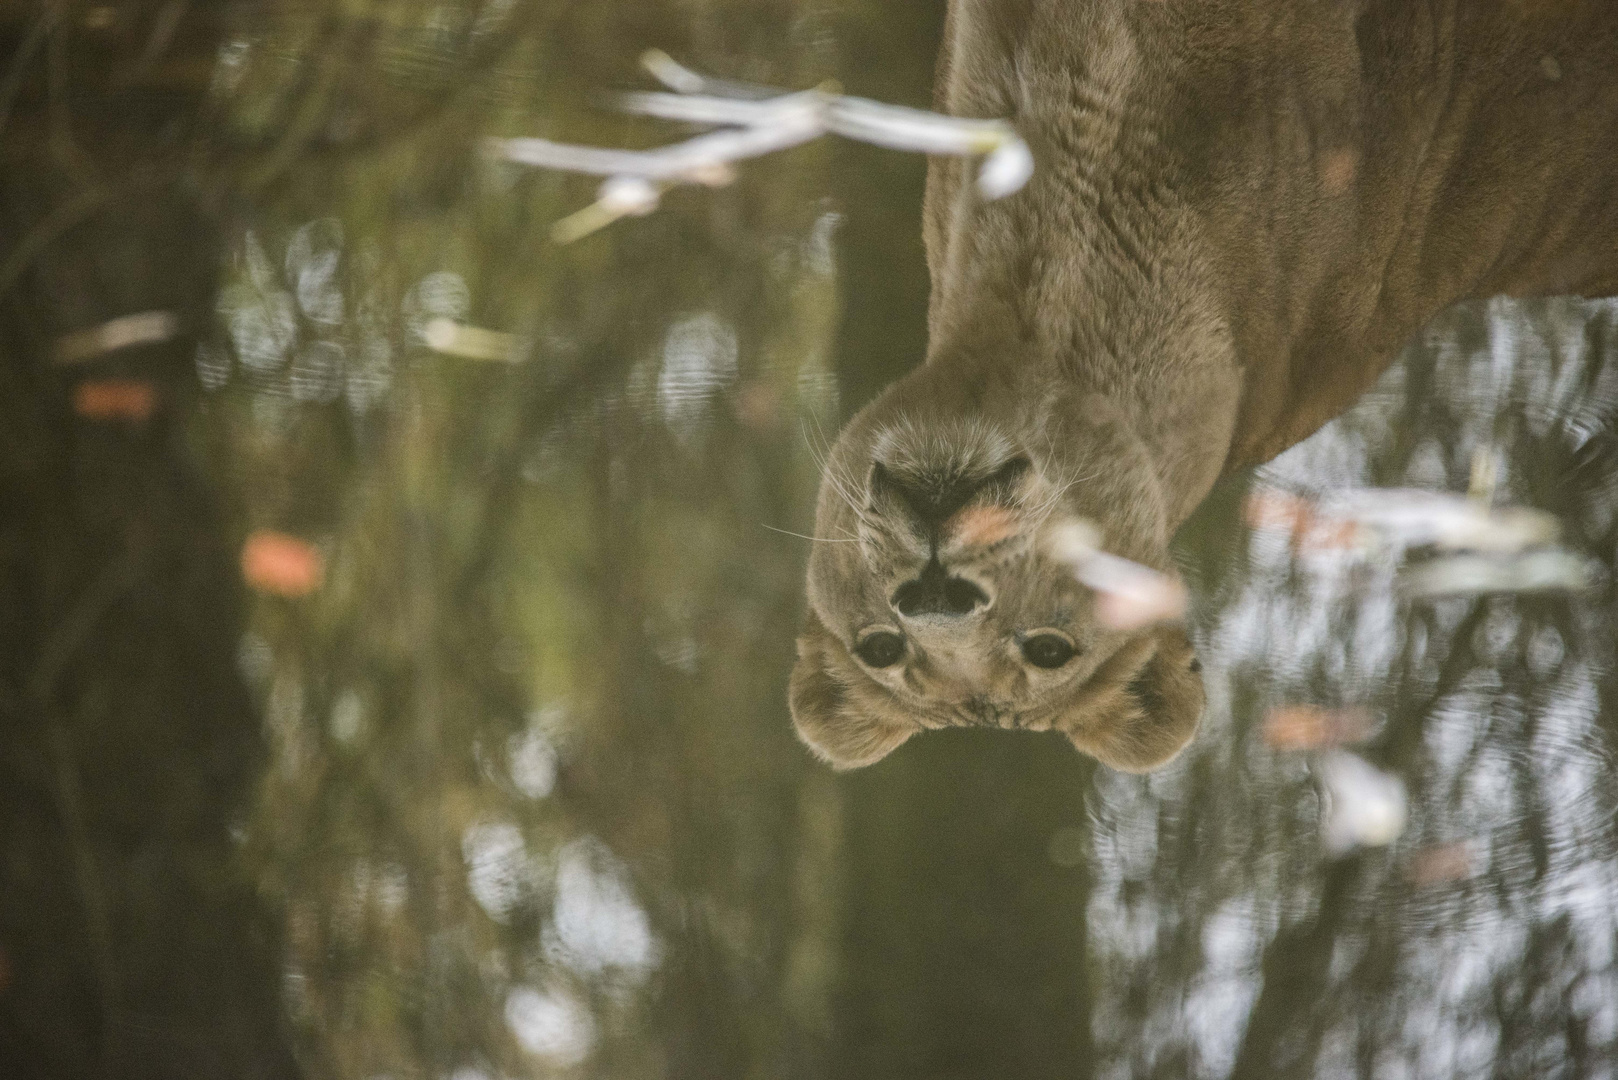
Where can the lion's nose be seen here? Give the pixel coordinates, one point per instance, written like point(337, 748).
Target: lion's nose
point(935, 592)
point(932, 501)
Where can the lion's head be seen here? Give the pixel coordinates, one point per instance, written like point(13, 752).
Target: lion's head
point(934, 601)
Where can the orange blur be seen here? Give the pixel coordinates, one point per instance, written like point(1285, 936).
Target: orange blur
point(278, 564)
point(1311, 530)
point(114, 399)
point(1309, 727)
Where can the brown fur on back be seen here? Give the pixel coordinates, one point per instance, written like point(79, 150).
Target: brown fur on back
point(1355, 166)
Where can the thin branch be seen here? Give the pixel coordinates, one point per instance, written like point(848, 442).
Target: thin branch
point(60, 644)
point(66, 636)
point(704, 109)
point(795, 119)
point(753, 121)
point(87, 876)
point(52, 226)
point(681, 79)
point(12, 84)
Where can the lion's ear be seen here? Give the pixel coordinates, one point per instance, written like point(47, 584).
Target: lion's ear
point(827, 709)
point(1142, 706)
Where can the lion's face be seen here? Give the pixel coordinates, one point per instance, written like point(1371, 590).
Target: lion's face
point(933, 602)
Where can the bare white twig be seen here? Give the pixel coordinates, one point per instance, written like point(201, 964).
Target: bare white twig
point(718, 111)
point(899, 128)
point(681, 79)
point(753, 121)
point(671, 73)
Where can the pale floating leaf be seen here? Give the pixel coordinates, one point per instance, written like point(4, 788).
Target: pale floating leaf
point(1485, 475)
point(553, 1025)
point(312, 260)
point(581, 223)
point(1552, 570)
point(681, 79)
point(1130, 596)
point(1361, 805)
point(469, 342)
point(618, 197)
point(144, 328)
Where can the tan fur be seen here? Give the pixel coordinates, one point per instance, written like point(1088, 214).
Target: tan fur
point(1240, 212)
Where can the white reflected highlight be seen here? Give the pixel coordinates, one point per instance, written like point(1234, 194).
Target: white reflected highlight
point(551, 1024)
point(699, 359)
point(500, 872)
point(1362, 806)
point(533, 763)
point(311, 266)
point(596, 923)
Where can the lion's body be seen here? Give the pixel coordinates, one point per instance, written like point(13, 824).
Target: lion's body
point(1240, 212)
point(1351, 168)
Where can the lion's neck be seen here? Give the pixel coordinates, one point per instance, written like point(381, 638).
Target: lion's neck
point(1094, 280)
point(1178, 398)
point(1045, 297)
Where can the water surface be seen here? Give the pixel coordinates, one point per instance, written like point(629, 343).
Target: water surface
point(513, 791)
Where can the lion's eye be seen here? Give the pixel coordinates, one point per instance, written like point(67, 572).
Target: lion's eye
point(881, 649)
point(1048, 650)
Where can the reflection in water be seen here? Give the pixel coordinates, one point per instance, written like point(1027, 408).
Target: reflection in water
point(517, 793)
point(535, 806)
point(1484, 936)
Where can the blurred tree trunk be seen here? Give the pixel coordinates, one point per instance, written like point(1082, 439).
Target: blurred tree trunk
point(964, 948)
point(131, 944)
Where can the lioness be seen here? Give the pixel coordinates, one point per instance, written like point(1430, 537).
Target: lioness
point(1241, 211)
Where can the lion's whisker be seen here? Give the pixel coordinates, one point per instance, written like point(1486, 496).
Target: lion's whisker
point(816, 539)
point(841, 485)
